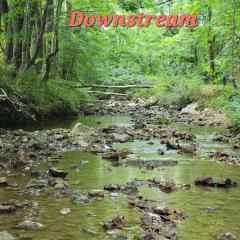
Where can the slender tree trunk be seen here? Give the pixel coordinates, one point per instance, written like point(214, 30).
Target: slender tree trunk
point(8, 51)
point(232, 62)
point(17, 25)
point(26, 42)
point(38, 24)
point(211, 43)
point(239, 60)
point(55, 41)
point(40, 36)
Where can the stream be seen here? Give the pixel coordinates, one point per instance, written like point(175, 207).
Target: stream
point(210, 211)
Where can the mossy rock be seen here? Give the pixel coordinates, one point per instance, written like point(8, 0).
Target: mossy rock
point(162, 121)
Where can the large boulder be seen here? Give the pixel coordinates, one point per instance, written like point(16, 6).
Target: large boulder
point(81, 129)
point(190, 110)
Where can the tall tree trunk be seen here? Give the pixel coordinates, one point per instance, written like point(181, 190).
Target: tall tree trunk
point(211, 43)
point(38, 24)
point(26, 41)
point(239, 60)
point(55, 41)
point(17, 24)
point(232, 62)
point(40, 36)
point(7, 22)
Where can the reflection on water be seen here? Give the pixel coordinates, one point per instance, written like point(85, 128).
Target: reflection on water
point(200, 225)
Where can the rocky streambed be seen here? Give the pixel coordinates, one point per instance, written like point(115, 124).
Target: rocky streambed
point(142, 176)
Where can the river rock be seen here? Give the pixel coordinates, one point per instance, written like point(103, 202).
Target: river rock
point(118, 222)
point(4, 235)
point(190, 109)
point(65, 211)
point(121, 137)
point(149, 162)
point(209, 181)
point(3, 182)
point(227, 236)
point(81, 129)
point(29, 225)
point(169, 214)
point(79, 200)
point(97, 193)
point(57, 173)
point(12, 206)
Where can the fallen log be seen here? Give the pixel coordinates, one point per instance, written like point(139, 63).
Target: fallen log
point(108, 87)
point(110, 93)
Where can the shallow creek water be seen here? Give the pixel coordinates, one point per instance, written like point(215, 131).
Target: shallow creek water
point(200, 224)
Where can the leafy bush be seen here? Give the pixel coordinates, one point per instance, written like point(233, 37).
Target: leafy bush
point(233, 111)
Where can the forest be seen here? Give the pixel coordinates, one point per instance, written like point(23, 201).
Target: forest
point(119, 119)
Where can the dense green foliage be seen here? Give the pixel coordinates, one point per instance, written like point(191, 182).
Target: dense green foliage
point(184, 64)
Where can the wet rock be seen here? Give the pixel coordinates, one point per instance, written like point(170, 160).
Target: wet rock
point(225, 158)
point(59, 184)
point(118, 222)
point(81, 129)
point(222, 137)
point(3, 182)
point(12, 206)
point(208, 181)
point(148, 162)
point(36, 184)
point(79, 200)
point(121, 137)
point(29, 225)
point(83, 144)
point(74, 168)
point(160, 152)
point(84, 162)
point(124, 153)
point(169, 214)
point(128, 188)
point(57, 173)
point(96, 193)
point(39, 146)
point(65, 211)
point(111, 154)
point(151, 219)
point(172, 144)
point(167, 186)
point(4, 235)
point(227, 236)
point(210, 210)
point(185, 148)
point(139, 203)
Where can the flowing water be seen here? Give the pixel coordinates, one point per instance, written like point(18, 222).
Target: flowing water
point(84, 221)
